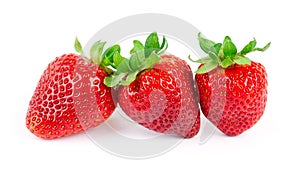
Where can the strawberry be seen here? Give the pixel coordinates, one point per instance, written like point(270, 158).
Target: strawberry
point(71, 96)
point(157, 92)
point(232, 88)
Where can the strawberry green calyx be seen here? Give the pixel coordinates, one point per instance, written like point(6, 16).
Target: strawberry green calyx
point(78, 47)
point(142, 57)
point(96, 52)
point(224, 54)
point(106, 59)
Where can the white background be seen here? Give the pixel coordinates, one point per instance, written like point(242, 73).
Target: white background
point(33, 33)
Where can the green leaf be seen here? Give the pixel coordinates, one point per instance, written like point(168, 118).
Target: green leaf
point(226, 62)
point(137, 46)
point(96, 52)
point(164, 42)
point(214, 57)
point(202, 60)
point(249, 47)
point(106, 61)
point(136, 59)
point(207, 67)
point(217, 48)
point(78, 47)
point(109, 52)
point(229, 48)
point(205, 44)
point(152, 41)
point(114, 80)
point(130, 78)
point(151, 60)
point(242, 60)
point(117, 59)
point(123, 67)
point(107, 57)
point(151, 44)
point(263, 49)
point(164, 46)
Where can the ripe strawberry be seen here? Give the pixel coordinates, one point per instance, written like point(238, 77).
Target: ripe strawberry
point(232, 88)
point(70, 96)
point(157, 92)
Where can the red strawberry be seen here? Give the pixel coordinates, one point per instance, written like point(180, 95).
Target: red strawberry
point(160, 96)
point(70, 96)
point(232, 88)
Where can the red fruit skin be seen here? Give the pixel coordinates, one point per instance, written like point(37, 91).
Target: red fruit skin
point(233, 99)
point(163, 98)
point(69, 98)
